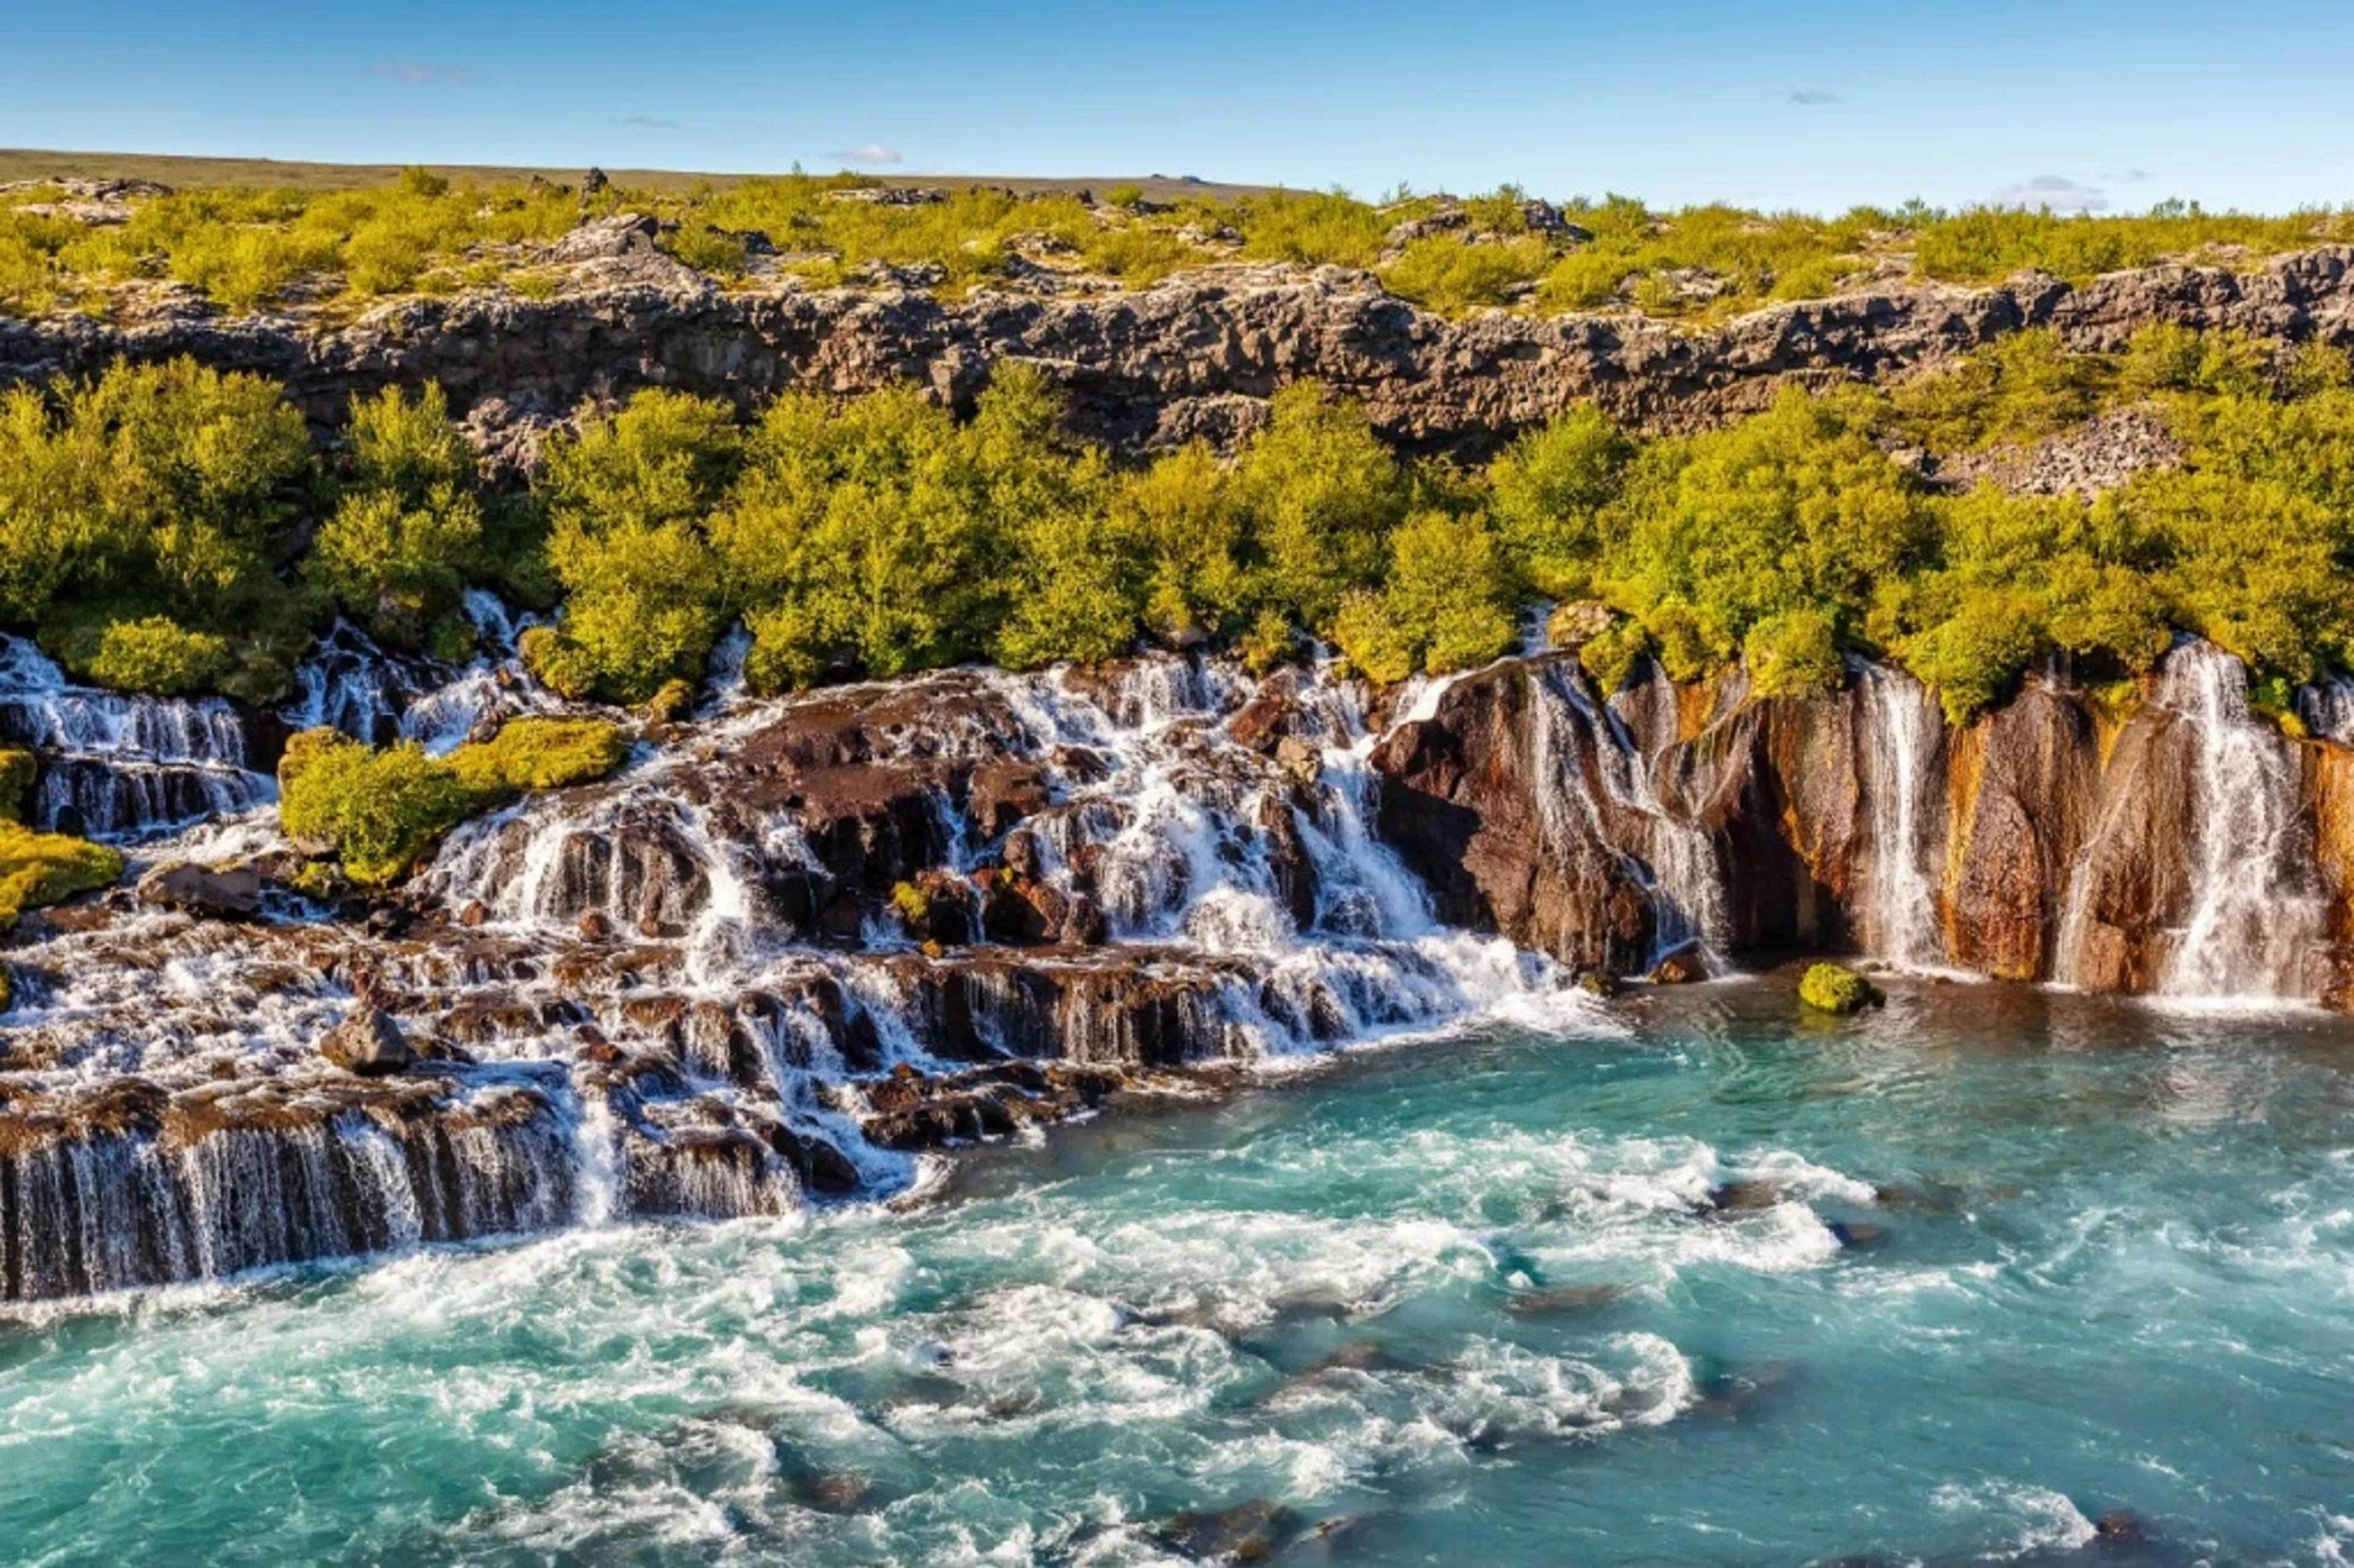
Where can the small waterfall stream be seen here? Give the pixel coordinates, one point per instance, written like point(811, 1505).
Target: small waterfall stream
point(1674, 861)
point(1901, 730)
point(2257, 912)
point(118, 767)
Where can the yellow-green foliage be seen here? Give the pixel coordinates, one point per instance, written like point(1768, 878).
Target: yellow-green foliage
point(17, 773)
point(1549, 488)
point(245, 249)
point(140, 516)
point(1452, 274)
point(1795, 509)
point(627, 501)
point(1979, 244)
point(539, 753)
point(2022, 389)
point(380, 811)
point(43, 868)
point(1792, 654)
point(1832, 989)
point(407, 530)
point(1446, 604)
point(153, 654)
point(423, 232)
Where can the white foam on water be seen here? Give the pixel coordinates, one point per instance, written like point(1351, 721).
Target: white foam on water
point(2017, 1517)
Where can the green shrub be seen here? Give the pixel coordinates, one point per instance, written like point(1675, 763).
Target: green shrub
point(1183, 517)
point(1794, 509)
point(2025, 388)
point(629, 499)
point(38, 868)
point(1793, 654)
point(1451, 274)
point(1611, 657)
point(152, 492)
point(1550, 487)
point(407, 530)
point(1446, 603)
point(380, 812)
point(1975, 655)
point(18, 771)
point(708, 249)
point(153, 654)
point(1320, 492)
point(1827, 987)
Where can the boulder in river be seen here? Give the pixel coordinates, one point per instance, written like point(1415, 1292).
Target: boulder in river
point(368, 1043)
point(233, 891)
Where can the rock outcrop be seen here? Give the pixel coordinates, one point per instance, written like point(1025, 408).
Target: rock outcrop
point(1196, 355)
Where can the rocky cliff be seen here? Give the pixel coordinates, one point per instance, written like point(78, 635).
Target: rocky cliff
point(798, 940)
point(2178, 844)
point(1198, 355)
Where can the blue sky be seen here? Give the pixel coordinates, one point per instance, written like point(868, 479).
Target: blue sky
point(1807, 105)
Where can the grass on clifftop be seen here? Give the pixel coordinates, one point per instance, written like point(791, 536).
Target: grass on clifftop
point(268, 243)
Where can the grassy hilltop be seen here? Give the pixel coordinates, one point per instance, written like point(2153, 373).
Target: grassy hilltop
point(327, 238)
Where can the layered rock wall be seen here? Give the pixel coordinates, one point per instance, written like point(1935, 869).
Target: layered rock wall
point(1198, 355)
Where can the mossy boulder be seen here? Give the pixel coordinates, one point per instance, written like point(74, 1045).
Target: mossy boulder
point(539, 753)
point(379, 812)
point(1829, 987)
point(38, 868)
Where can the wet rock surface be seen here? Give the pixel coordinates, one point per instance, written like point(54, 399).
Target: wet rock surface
point(803, 944)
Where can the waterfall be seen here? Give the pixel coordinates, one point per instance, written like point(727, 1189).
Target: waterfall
point(350, 683)
point(103, 1213)
point(2257, 914)
point(120, 767)
point(1673, 860)
point(1901, 732)
point(2328, 709)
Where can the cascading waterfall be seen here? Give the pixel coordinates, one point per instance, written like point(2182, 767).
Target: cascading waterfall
point(1672, 860)
point(352, 684)
point(1901, 730)
point(688, 988)
point(117, 766)
point(2256, 914)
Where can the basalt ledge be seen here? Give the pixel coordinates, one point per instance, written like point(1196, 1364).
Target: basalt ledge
point(1197, 355)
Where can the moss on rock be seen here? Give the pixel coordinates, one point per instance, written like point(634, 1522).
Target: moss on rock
point(1829, 987)
point(381, 812)
point(38, 868)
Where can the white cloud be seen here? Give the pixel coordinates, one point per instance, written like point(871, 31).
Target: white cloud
point(2057, 192)
point(646, 122)
point(1812, 97)
point(874, 154)
point(417, 74)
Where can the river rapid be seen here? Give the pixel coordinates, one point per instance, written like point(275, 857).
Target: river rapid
point(1688, 1278)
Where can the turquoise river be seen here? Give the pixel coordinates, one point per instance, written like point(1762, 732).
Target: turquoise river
point(1685, 1279)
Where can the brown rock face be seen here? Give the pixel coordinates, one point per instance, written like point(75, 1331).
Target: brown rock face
point(2020, 785)
point(230, 890)
point(1467, 802)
